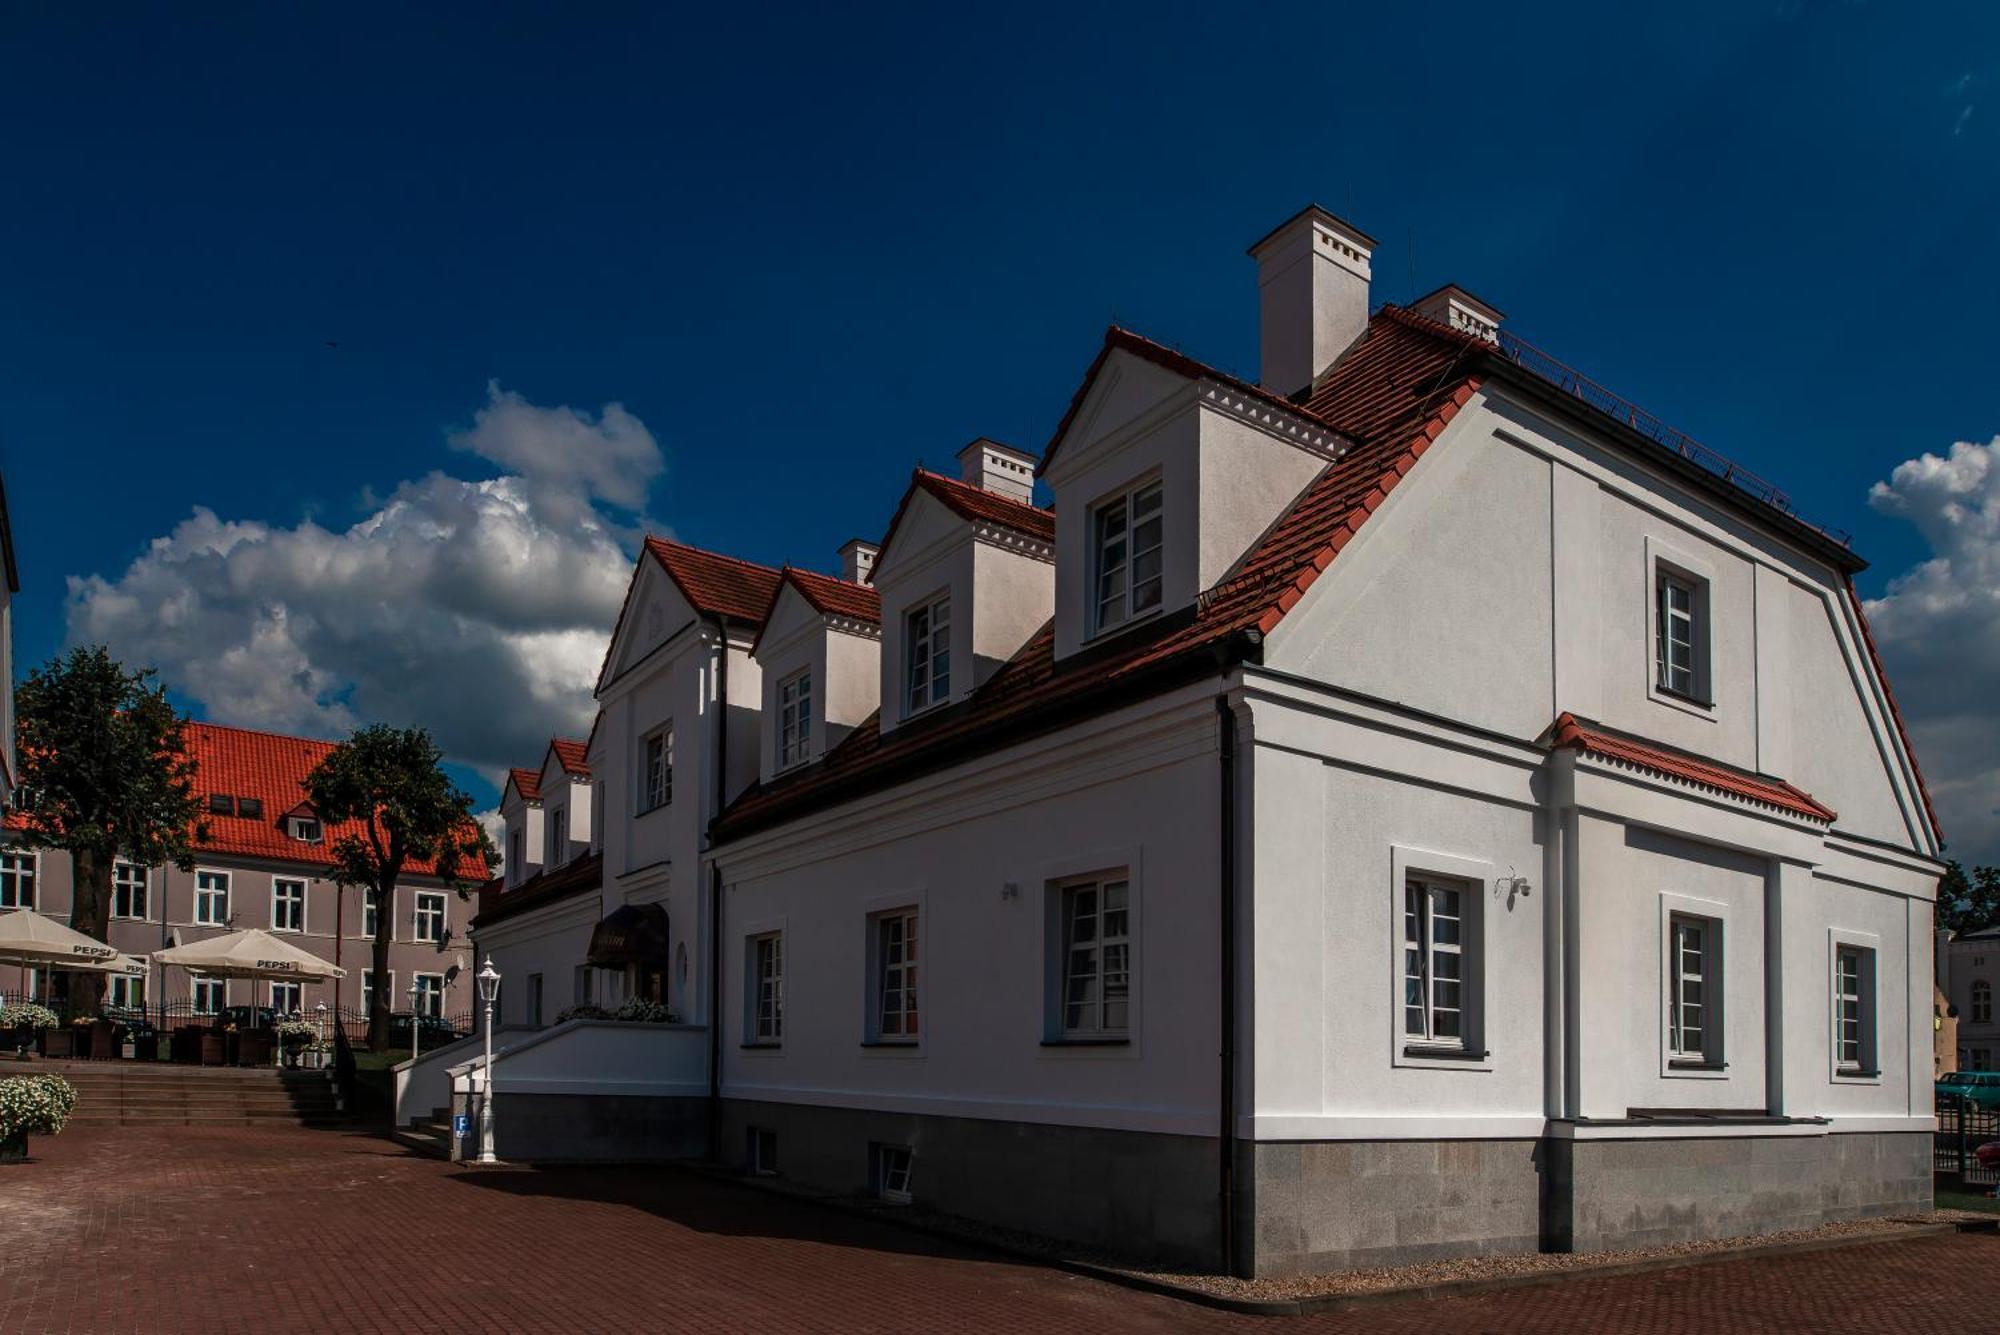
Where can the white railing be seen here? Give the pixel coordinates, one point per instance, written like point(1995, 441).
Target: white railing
point(423, 1083)
point(604, 1057)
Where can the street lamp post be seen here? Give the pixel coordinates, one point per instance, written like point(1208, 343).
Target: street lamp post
point(416, 1042)
point(489, 991)
point(319, 1038)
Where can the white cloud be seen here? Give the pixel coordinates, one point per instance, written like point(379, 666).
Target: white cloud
point(1939, 628)
point(478, 609)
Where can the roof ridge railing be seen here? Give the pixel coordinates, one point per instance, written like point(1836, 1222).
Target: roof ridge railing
point(1574, 383)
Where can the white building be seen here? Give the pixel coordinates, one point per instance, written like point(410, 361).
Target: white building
point(1413, 806)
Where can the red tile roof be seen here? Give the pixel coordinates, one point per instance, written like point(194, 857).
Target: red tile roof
point(271, 768)
point(836, 597)
point(1895, 713)
point(571, 753)
point(544, 887)
point(974, 504)
point(1394, 391)
point(716, 585)
point(1672, 763)
point(527, 782)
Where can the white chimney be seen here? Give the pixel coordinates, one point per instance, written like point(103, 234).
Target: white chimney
point(1000, 469)
point(857, 560)
point(1453, 305)
point(1312, 283)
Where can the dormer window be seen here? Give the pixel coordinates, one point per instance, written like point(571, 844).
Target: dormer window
point(1127, 549)
point(927, 654)
point(305, 829)
point(794, 719)
point(1680, 634)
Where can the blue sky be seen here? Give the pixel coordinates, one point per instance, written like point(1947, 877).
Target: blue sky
point(268, 262)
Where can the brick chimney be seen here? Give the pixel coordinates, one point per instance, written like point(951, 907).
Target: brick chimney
point(1312, 284)
point(1000, 469)
point(857, 560)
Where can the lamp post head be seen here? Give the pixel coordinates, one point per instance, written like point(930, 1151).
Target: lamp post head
point(489, 982)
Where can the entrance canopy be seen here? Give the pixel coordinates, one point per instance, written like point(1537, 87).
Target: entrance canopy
point(635, 934)
point(36, 941)
point(249, 954)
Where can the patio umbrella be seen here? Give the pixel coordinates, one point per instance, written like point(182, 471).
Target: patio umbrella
point(250, 954)
point(36, 941)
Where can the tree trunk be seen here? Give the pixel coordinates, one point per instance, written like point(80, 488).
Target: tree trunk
point(89, 913)
point(378, 958)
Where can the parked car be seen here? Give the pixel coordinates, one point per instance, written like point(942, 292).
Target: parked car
point(247, 1017)
point(1980, 1088)
point(435, 1031)
point(1988, 1155)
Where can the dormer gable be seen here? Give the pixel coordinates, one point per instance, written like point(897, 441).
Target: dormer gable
point(564, 784)
point(674, 587)
point(819, 659)
point(966, 575)
point(521, 817)
point(1166, 472)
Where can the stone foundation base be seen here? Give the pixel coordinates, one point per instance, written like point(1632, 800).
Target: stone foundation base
point(588, 1128)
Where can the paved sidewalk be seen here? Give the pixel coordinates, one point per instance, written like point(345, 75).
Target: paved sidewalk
point(225, 1230)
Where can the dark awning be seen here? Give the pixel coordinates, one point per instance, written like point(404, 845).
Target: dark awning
point(635, 934)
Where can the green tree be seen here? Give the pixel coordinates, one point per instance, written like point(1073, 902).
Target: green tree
point(1968, 902)
point(104, 760)
point(390, 783)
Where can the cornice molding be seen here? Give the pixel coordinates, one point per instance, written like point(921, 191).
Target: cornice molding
point(1312, 437)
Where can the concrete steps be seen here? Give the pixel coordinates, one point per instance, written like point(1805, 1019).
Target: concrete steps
point(148, 1094)
point(429, 1135)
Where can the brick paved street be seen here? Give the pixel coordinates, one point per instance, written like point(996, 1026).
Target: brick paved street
point(230, 1230)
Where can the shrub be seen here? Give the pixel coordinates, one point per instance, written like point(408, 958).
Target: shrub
point(584, 1012)
point(35, 1105)
point(636, 1010)
point(28, 1014)
point(297, 1028)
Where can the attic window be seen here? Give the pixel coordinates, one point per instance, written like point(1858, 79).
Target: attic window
point(251, 807)
point(1128, 540)
point(221, 804)
point(305, 829)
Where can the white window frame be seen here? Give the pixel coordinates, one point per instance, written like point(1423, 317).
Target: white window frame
point(15, 865)
point(305, 829)
point(559, 841)
point(764, 987)
point(892, 973)
point(1474, 878)
point(123, 883)
point(1122, 509)
point(205, 897)
point(1712, 1060)
point(298, 883)
point(656, 772)
point(1097, 1027)
point(1667, 566)
point(931, 648)
point(795, 705)
point(418, 901)
point(1980, 1009)
point(890, 1172)
point(430, 994)
point(369, 909)
point(215, 988)
point(368, 990)
point(120, 993)
point(294, 992)
point(1866, 949)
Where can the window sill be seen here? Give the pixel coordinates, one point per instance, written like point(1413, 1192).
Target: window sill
point(1432, 1052)
point(892, 1044)
point(1687, 704)
point(664, 806)
point(1696, 1070)
point(1101, 634)
point(1109, 1041)
point(766, 1046)
point(1857, 1076)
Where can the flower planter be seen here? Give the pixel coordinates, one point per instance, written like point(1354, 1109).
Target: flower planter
point(14, 1148)
point(58, 1042)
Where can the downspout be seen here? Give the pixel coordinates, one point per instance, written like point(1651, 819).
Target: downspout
point(1226, 1157)
point(715, 897)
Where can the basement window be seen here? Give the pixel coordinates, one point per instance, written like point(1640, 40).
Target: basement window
point(890, 1172)
point(763, 1152)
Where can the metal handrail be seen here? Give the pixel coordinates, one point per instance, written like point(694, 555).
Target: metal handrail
point(1574, 383)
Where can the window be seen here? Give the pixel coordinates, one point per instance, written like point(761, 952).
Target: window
point(794, 719)
point(1693, 974)
point(1853, 1010)
point(767, 1010)
point(763, 1151)
point(1982, 1059)
point(251, 808)
point(891, 1172)
point(430, 917)
point(221, 804)
point(559, 839)
point(370, 903)
point(656, 770)
point(211, 898)
point(927, 654)
point(584, 989)
point(287, 998)
point(1434, 974)
point(1982, 1001)
point(1126, 539)
point(430, 994)
point(896, 977)
point(288, 906)
point(17, 880)
point(128, 890)
point(1097, 959)
point(514, 862)
point(208, 996)
point(1680, 634)
point(534, 1000)
point(128, 992)
point(368, 990)
point(306, 829)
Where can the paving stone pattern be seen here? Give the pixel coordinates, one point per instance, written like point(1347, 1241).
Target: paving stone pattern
point(282, 1229)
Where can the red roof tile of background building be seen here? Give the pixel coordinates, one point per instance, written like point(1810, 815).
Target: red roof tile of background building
point(716, 585)
point(571, 754)
point(1394, 392)
point(1673, 763)
point(271, 769)
point(527, 782)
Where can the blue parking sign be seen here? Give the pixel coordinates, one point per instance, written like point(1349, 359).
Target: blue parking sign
point(461, 1125)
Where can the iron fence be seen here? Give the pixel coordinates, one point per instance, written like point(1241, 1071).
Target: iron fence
point(350, 1022)
point(1963, 1126)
